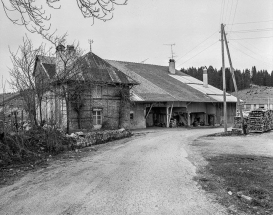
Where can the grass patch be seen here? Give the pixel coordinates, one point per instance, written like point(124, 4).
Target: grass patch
point(241, 182)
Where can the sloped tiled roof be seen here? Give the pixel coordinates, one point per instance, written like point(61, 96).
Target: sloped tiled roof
point(48, 64)
point(96, 69)
point(157, 84)
point(50, 69)
point(92, 68)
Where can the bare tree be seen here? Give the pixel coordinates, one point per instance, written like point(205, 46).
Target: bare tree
point(68, 81)
point(22, 80)
point(34, 17)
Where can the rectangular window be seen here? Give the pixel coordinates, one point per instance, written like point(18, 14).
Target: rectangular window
point(132, 115)
point(97, 116)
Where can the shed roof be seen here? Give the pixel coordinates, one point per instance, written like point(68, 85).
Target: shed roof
point(157, 84)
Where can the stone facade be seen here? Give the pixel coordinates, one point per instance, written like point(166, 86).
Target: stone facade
point(114, 112)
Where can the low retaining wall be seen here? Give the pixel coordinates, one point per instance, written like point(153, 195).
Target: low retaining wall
point(99, 137)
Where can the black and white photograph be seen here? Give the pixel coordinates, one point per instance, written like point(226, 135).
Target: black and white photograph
point(136, 107)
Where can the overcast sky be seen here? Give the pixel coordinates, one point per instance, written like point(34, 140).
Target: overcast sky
point(140, 29)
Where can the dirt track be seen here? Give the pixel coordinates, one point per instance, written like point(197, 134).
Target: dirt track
point(148, 174)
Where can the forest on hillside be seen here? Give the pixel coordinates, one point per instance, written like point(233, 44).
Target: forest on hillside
point(243, 78)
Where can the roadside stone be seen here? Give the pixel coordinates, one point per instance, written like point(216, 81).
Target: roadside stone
point(98, 137)
point(246, 198)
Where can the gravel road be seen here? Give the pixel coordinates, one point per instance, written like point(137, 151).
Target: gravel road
point(149, 174)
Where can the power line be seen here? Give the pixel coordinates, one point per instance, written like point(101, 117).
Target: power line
point(252, 30)
point(234, 14)
point(221, 14)
point(249, 55)
point(197, 46)
point(251, 38)
point(252, 45)
point(243, 23)
point(226, 14)
point(230, 11)
point(251, 51)
point(198, 53)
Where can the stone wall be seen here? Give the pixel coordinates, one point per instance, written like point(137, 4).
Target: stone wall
point(99, 137)
point(115, 112)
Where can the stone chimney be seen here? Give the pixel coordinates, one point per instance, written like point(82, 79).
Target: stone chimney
point(205, 77)
point(60, 51)
point(172, 66)
point(70, 48)
point(64, 56)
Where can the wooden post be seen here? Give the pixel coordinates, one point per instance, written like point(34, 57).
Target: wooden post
point(234, 81)
point(189, 119)
point(224, 79)
point(171, 114)
point(167, 114)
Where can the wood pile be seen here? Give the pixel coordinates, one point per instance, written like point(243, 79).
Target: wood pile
point(237, 128)
point(238, 122)
point(260, 120)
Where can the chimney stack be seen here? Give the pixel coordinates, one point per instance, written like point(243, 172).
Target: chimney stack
point(205, 77)
point(172, 66)
point(60, 47)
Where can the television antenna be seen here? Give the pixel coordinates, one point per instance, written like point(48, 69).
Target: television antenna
point(144, 60)
point(90, 43)
point(173, 44)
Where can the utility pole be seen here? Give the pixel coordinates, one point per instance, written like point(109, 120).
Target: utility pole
point(90, 43)
point(171, 48)
point(234, 81)
point(224, 78)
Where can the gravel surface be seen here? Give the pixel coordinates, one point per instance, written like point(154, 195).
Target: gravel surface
point(149, 174)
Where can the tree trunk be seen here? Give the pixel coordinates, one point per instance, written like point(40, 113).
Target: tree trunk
point(40, 109)
point(67, 115)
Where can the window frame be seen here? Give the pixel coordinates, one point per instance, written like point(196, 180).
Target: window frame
point(97, 116)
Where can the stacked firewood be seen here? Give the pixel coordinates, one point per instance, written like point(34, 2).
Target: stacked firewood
point(260, 120)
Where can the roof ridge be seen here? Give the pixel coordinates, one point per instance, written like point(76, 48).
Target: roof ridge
point(137, 63)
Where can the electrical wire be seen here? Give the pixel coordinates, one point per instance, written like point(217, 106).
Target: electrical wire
point(234, 15)
point(198, 53)
point(221, 15)
point(243, 23)
point(254, 52)
point(249, 55)
point(226, 14)
point(251, 44)
point(250, 38)
point(197, 46)
point(251, 50)
point(230, 11)
point(252, 30)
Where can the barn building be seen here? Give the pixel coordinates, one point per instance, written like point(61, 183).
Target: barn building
point(168, 97)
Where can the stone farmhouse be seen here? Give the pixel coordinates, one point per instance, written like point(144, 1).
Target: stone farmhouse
point(159, 95)
point(101, 90)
